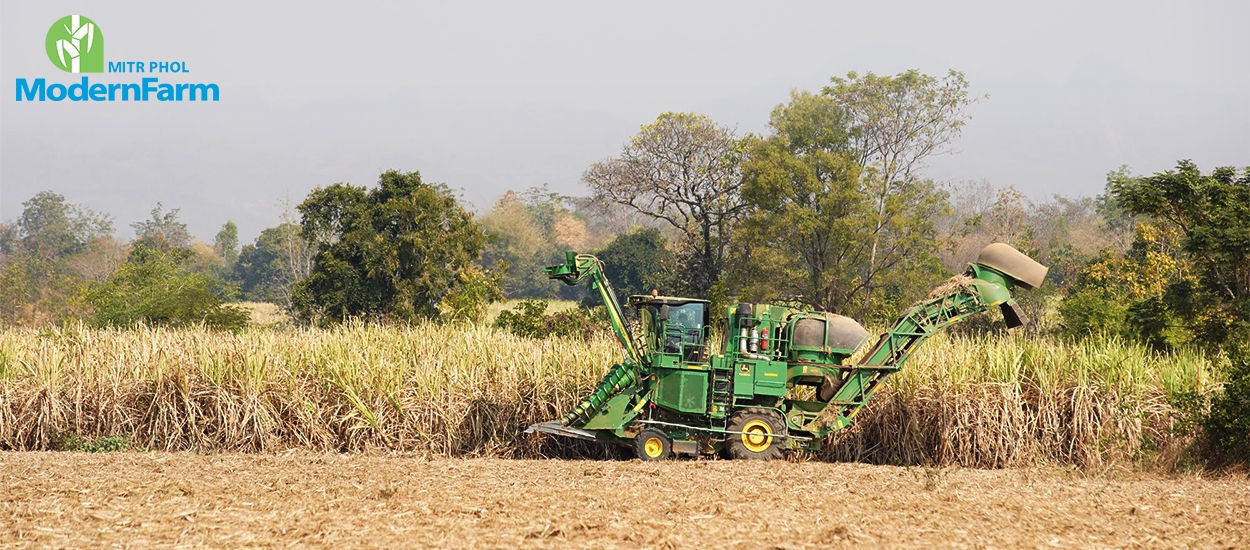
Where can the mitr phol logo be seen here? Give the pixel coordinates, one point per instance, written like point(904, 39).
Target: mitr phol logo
point(76, 45)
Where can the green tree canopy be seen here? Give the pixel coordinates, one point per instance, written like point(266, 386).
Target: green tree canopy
point(895, 123)
point(163, 232)
point(520, 239)
point(636, 262)
point(393, 251)
point(1196, 286)
point(814, 234)
point(1212, 214)
point(156, 287)
point(51, 229)
point(39, 259)
point(227, 244)
point(266, 269)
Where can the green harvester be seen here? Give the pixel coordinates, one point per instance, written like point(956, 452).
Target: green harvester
point(779, 378)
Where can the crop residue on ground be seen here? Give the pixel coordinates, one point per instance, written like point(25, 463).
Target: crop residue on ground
point(306, 499)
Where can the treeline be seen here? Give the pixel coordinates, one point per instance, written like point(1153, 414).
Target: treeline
point(62, 262)
point(830, 209)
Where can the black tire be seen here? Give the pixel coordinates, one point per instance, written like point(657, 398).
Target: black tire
point(653, 444)
point(759, 443)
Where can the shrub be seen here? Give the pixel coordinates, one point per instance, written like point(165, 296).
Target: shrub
point(530, 319)
point(1227, 425)
point(157, 288)
point(1092, 311)
point(102, 444)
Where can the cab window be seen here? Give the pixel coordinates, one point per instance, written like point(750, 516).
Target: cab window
point(688, 315)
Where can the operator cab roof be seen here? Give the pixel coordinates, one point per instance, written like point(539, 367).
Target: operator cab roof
point(640, 300)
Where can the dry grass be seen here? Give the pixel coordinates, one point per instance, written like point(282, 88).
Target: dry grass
point(367, 500)
point(1019, 401)
point(446, 390)
point(264, 313)
point(469, 391)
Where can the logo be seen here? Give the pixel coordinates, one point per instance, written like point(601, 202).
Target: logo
point(76, 45)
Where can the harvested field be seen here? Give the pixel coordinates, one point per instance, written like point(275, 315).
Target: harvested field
point(349, 500)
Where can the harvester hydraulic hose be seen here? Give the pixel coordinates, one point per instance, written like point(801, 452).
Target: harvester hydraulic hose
point(621, 376)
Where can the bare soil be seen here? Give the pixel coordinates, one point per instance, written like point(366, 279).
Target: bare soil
point(368, 500)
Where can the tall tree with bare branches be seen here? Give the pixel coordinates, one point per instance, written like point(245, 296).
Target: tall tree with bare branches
point(896, 123)
point(685, 170)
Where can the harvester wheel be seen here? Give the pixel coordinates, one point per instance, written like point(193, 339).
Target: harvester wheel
point(652, 444)
point(757, 441)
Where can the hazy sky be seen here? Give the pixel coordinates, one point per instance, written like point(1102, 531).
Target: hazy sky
point(492, 96)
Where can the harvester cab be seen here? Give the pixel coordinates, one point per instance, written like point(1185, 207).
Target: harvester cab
point(781, 378)
point(674, 330)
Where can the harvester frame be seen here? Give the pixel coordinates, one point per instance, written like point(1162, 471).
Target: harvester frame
point(671, 395)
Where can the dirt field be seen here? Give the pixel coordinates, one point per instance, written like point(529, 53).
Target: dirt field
point(236, 500)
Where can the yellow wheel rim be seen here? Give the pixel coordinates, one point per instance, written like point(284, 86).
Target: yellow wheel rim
point(653, 447)
point(757, 436)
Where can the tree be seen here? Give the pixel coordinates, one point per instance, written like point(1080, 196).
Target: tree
point(470, 300)
point(163, 232)
point(636, 262)
point(895, 123)
point(814, 234)
point(683, 169)
point(266, 269)
point(157, 288)
point(1119, 292)
point(519, 241)
point(546, 207)
point(1212, 214)
point(394, 251)
point(296, 253)
point(570, 232)
point(1186, 275)
point(227, 244)
point(37, 281)
point(1209, 292)
point(527, 232)
point(1227, 424)
point(10, 239)
point(604, 220)
point(102, 258)
point(51, 229)
point(205, 259)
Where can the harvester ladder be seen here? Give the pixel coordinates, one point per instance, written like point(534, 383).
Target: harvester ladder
point(722, 392)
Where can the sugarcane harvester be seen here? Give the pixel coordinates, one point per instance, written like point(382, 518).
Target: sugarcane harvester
point(781, 378)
